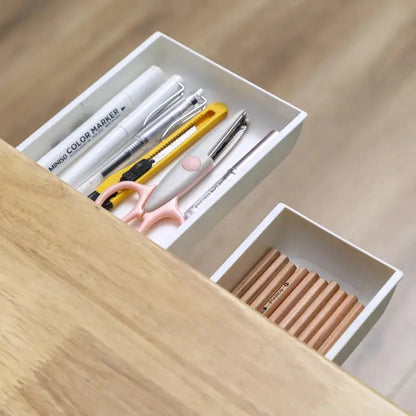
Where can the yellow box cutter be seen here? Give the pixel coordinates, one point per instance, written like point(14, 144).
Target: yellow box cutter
point(161, 155)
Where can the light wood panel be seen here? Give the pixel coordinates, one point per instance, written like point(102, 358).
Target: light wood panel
point(351, 65)
point(96, 319)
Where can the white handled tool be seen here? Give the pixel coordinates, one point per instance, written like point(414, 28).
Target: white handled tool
point(196, 165)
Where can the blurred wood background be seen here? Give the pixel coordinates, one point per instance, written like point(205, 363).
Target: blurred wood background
point(350, 65)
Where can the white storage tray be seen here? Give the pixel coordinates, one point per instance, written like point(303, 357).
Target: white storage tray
point(308, 244)
point(265, 111)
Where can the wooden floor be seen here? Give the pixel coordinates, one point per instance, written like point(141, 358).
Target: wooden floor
point(350, 65)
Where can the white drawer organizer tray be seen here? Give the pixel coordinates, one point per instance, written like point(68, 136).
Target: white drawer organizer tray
point(303, 241)
point(308, 244)
point(265, 111)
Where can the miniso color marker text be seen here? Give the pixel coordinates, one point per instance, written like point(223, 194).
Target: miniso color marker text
point(108, 146)
point(102, 121)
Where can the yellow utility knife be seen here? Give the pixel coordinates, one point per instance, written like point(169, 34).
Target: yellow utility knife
point(161, 155)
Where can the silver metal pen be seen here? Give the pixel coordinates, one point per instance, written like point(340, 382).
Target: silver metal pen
point(159, 128)
point(230, 172)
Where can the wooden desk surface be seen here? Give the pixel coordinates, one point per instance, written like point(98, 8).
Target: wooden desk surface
point(96, 319)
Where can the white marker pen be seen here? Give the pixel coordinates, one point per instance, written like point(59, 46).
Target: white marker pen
point(105, 118)
point(101, 152)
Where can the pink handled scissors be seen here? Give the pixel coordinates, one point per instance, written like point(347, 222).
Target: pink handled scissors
point(148, 219)
point(156, 203)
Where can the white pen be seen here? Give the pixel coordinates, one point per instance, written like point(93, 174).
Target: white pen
point(107, 147)
point(102, 121)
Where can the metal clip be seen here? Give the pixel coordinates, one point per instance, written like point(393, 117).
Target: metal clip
point(163, 106)
point(187, 116)
point(230, 137)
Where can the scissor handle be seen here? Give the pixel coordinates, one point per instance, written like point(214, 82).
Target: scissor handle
point(170, 210)
point(143, 191)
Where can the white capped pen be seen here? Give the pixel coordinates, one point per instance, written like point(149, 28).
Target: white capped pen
point(100, 123)
point(230, 173)
point(100, 153)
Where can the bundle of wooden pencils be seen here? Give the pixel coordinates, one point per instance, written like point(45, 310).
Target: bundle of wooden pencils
point(309, 307)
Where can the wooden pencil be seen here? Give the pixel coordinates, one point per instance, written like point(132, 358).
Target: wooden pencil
point(273, 285)
point(284, 291)
point(322, 316)
point(341, 328)
point(255, 272)
point(306, 317)
point(265, 278)
point(303, 304)
point(331, 323)
point(300, 290)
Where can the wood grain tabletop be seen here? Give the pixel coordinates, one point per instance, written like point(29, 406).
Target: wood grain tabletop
point(96, 319)
point(350, 65)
